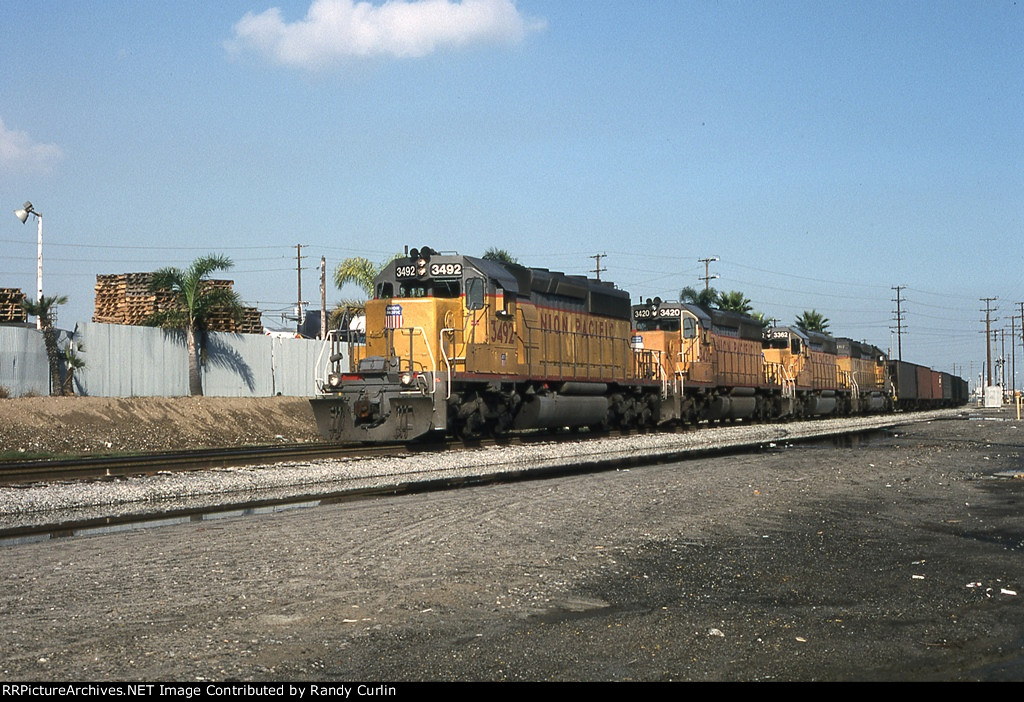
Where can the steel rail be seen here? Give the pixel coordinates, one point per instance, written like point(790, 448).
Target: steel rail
point(64, 468)
point(94, 467)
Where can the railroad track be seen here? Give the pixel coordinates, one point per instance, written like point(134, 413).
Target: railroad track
point(98, 467)
point(256, 493)
point(45, 470)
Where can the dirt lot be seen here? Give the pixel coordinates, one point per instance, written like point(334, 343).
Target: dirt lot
point(898, 557)
point(83, 425)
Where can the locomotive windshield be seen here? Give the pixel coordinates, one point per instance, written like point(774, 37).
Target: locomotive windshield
point(418, 288)
point(669, 325)
point(429, 288)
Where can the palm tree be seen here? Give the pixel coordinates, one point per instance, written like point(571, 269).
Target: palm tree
point(194, 302)
point(72, 362)
point(812, 321)
point(45, 308)
point(499, 255)
point(359, 271)
point(734, 301)
point(706, 298)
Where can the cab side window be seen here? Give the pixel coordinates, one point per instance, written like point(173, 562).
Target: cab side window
point(475, 293)
point(689, 328)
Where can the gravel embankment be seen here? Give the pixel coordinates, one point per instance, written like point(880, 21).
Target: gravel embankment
point(54, 426)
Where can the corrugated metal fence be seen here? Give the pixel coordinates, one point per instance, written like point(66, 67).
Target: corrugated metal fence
point(23, 367)
point(128, 361)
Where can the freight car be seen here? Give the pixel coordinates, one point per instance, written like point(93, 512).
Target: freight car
point(917, 387)
point(468, 347)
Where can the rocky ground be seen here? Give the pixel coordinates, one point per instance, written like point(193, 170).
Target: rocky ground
point(896, 557)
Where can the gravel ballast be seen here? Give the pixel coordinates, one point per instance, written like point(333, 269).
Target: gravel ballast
point(75, 502)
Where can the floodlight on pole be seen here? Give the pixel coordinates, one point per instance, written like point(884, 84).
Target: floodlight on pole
point(23, 214)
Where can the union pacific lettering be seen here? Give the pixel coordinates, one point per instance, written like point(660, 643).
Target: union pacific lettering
point(579, 324)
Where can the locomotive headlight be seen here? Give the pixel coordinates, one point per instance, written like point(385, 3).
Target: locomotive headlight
point(421, 267)
point(407, 378)
point(334, 380)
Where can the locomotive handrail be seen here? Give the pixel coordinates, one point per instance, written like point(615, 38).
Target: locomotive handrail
point(426, 344)
point(777, 373)
point(444, 354)
point(854, 386)
point(330, 338)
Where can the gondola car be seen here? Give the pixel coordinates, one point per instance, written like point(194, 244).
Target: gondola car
point(916, 387)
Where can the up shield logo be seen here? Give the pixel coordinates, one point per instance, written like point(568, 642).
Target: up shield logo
point(393, 317)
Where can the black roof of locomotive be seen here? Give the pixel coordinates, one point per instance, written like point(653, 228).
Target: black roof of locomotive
point(595, 296)
point(817, 341)
point(859, 349)
point(723, 322)
point(540, 285)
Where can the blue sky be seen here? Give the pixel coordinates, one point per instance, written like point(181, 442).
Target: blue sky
point(824, 151)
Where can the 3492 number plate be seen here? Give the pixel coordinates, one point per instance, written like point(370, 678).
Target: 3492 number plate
point(445, 269)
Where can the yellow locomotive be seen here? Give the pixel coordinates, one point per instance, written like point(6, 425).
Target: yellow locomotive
point(864, 368)
point(714, 364)
point(468, 346)
point(709, 361)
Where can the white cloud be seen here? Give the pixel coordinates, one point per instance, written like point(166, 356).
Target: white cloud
point(337, 29)
point(19, 151)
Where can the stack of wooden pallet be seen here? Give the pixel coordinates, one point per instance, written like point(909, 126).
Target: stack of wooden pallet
point(127, 298)
point(10, 306)
point(250, 322)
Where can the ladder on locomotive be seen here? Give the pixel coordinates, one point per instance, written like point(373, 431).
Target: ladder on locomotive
point(854, 389)
point(778, 374)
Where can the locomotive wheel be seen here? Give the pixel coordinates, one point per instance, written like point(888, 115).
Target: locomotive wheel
point(471, 427)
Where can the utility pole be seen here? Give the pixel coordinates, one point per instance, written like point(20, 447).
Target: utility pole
point(707, 274)
point(1013, 355)
point(988, 335)
point(1013, 345)
point(998, 361)
point(597, 268)
point(298, 302)
point(1002, 356)
point(899, 320)
point(323, 297)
